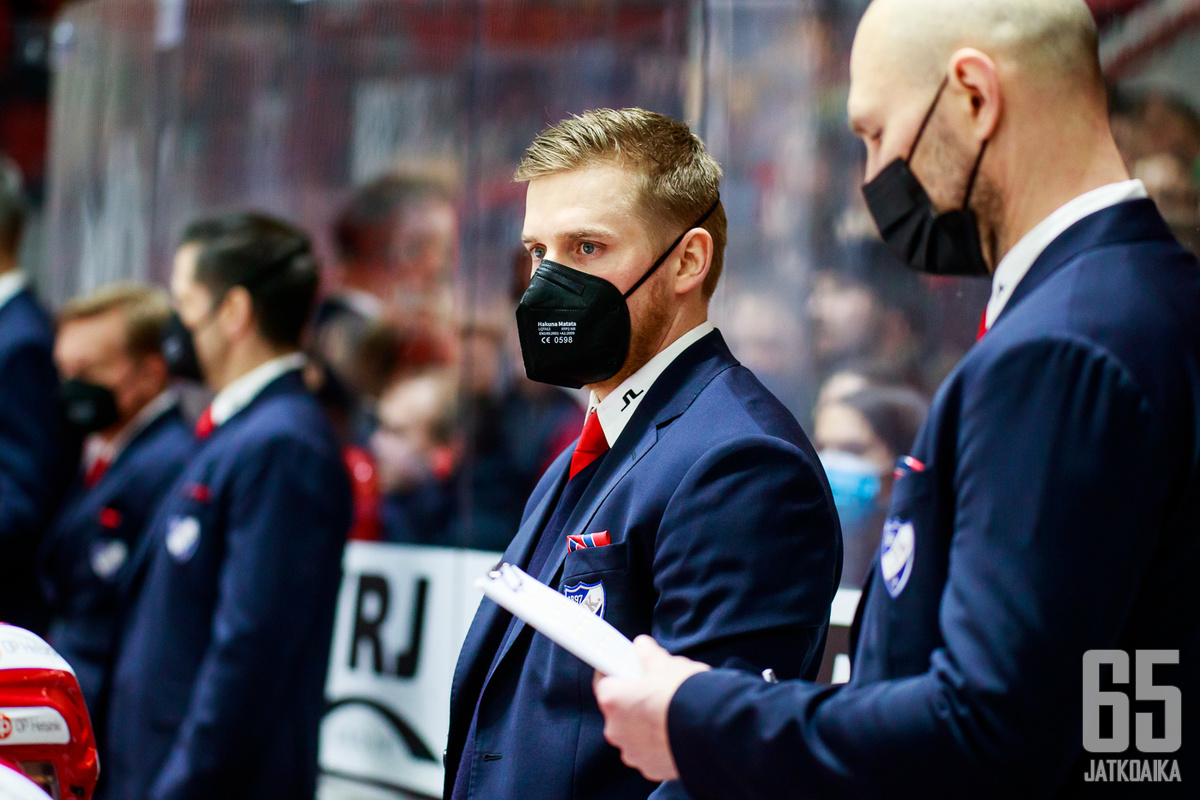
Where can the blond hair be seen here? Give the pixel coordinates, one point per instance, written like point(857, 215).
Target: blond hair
point(677, 180)
point(145, 310)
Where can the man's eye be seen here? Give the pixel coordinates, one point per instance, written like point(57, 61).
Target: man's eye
point(588, 248)
point(538, 253)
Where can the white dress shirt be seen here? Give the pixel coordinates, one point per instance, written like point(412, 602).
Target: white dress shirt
point(616, 409)
point(239, 394)
point(1017, 262)
point(10, 284)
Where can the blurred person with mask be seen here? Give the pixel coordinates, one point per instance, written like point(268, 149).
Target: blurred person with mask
point(1046, 521)
point(865, 309)
point(692, 505)
point(860, 438)
point(218, 689)
point(34, 461)
point(136, 442)
point(418, 448)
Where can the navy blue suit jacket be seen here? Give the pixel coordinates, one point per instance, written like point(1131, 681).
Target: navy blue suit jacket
point(218, 690)
point(31, 452)
point(1058, 512)
point(85, 559)
point(725, 546)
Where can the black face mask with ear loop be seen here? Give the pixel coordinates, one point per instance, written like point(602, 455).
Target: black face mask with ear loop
point(87, 407)
point(574, 327)
point(179, 350)
point(937, 244)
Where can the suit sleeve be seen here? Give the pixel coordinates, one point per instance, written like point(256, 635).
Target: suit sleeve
point(747, 560)
point(29, 442)
point(1058, 491)
point(289, 518)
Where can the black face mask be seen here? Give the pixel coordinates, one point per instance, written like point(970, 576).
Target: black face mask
point(179, 350)
point(939, 244)
point(88, 407)
point(574, 327)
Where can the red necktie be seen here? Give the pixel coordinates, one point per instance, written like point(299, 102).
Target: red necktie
point(592, 444)
point(983, 326)
point(95, 472)
point(205, 424)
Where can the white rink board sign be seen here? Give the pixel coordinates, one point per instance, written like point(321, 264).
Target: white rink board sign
point(403, 612)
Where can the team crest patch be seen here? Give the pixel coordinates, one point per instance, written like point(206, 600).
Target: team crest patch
point(588, 595)
point(107, 557)
point(897, 554)
point(183, 538)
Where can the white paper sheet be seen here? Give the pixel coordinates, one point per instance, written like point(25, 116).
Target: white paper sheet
point(562, 620)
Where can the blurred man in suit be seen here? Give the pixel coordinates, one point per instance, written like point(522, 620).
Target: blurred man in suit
point(1048, 519)
point(692, 506)
point(31, 437)
point(117, 387)
point(218, 690)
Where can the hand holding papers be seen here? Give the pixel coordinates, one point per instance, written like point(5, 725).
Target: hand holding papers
point(562, 620)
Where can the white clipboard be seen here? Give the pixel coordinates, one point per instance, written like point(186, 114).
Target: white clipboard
point(563, 621)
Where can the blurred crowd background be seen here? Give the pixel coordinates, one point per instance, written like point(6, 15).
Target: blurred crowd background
point(389, 130)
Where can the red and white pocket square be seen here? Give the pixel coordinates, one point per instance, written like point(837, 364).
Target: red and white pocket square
point(578, 541)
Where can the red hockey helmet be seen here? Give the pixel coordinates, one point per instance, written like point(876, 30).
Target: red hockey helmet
point(45, 731)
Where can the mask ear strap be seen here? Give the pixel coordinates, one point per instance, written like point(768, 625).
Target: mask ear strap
point(671, 249)
point(975, 173)
point(928, 116)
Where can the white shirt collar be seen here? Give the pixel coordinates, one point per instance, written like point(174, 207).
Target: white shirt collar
point(1018, 261)
point(10, 284)
point(96, 448)
point(237, 395)
point(617, 408)
point(363, 303)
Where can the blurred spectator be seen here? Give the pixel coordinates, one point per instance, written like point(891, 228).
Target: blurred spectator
point(853, 378)
point(396, 241)
point(1168, 124)
point(859, 438)
point(1124, 117)
point(867, 308)
point(418, 447)
point(218, 689)
point(32, 462)
point(1170, 184)
point(1153, 123)
point(137, 442)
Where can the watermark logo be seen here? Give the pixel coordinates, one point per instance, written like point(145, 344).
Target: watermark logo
point(1152, 743)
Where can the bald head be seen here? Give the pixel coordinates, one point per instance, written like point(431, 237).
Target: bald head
point(1046, 40)
point(1022, 118)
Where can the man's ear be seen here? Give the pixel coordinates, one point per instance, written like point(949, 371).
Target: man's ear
point(975, 79)
point(695, 257)
point(236, 312)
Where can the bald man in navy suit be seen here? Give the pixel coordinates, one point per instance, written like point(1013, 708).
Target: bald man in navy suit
point(1038, 565)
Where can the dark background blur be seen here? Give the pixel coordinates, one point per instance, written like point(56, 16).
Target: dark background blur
point(128, 118)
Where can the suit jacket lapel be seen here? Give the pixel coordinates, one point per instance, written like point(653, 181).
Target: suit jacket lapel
point(1130, 221)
